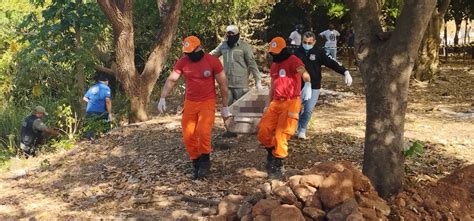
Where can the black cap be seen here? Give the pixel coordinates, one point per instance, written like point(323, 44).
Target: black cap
point(102, 77)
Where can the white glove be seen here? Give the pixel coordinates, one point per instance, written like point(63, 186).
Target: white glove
point(162, 105)
point(109, 118)
point(225, 113)
point(259, 85)
point(347, 78)
point(306, 92)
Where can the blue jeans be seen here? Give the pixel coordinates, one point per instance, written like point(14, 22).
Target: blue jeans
point(307, 108)
point(332, 52)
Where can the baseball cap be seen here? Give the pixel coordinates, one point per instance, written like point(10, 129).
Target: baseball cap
point(41, 109)
point(191, 43)
point(276, 45)
point(102, 77)
point(232, 28)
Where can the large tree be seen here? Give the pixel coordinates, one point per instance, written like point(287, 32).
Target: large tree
point(426, 65)
point(386, 62)
point(138, 86)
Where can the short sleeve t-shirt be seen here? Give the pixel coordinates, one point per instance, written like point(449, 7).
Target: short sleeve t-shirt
point(286, 79)
point(97, 95)
point(295, 38)
point(331, 38)
point(199, 76)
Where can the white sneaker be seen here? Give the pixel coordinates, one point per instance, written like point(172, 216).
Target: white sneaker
point(302, 135)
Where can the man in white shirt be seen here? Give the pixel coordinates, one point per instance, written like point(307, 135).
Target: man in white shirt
point(295, 36)
point(331, 36)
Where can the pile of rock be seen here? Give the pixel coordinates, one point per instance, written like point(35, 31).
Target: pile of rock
point(330, 190)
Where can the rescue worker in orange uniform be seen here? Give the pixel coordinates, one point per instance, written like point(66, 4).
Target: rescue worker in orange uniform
point(200, 71)
point(280, 119)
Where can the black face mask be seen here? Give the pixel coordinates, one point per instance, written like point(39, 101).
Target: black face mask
point(232, 39)
point(195, 56)
point(284, 54)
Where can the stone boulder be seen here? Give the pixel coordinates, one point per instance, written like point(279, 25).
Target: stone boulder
point(336, 189)
point(264, 207)
point(285, 194)
point(343, 211)
point(287, 212)
point(304, 192)
point(312, 180)
point(229, 205)
point(372, 201)
point(314, 213)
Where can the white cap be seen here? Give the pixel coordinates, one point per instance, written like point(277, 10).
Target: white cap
point(232, 28)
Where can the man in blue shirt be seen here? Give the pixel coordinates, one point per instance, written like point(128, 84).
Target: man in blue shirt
point(99, 103)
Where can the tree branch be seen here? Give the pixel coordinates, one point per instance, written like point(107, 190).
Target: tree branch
point(104, 69)
point(443, 8)
point(120, 15)
point(164, 9)
point(411, 26)
point(112, 13)
point(367, 26)
point(161, 47)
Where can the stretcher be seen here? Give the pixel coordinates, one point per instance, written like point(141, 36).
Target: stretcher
point(247, 112)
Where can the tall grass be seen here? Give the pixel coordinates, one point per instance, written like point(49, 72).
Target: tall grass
point(62, 116)
point(11, 117)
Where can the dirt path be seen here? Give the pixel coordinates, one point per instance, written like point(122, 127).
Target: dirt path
point(143, 170)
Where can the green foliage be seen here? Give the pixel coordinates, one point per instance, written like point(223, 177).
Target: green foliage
point(61, 37)
point(66, 121)
point(61, 117)
point(416, 149)
point(146, 24)
point(96, 125)
point(337, 10)
point(390, 11)
point(7, 148)
point(314, 15)
point(11, 14)
point(44, 165)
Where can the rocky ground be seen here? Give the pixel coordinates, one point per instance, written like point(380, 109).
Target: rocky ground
point(142, 170)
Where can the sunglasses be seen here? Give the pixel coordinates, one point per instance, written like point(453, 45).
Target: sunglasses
point(308, 43)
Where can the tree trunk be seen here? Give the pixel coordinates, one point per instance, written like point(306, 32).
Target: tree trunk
point(386, 64)
point(138, 109)
point(386, 101)
point(138, 87)
point(466, 20)
point(426, 66)
point(80, 68)
point(445, 40)
point(456, 33)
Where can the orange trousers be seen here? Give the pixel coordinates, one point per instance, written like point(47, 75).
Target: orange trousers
point(278, 124)
point(198, 119)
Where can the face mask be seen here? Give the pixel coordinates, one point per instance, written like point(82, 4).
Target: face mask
point(195, 56)
point(232, 39)
point(284, 54)
point(307, 47)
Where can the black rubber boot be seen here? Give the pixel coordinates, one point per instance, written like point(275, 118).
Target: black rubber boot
point(204, 165)
point(277, 168)
point(270, 158)
point(195, 168)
